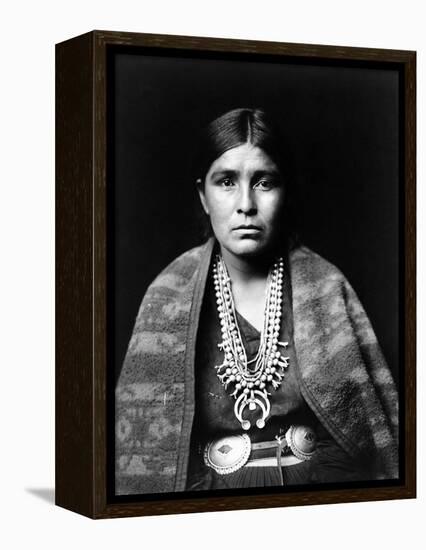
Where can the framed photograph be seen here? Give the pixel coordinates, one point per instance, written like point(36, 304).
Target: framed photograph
point(235, 280)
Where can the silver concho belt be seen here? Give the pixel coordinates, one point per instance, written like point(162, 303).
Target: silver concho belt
point(228, 454)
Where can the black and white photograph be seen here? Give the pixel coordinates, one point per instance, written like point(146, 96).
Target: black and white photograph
point(255, 281)
point(211, 286)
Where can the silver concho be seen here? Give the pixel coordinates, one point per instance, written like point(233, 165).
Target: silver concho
point(227, 454)
point(302, 441)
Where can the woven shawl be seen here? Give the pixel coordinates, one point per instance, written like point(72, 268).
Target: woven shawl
point(341, 371)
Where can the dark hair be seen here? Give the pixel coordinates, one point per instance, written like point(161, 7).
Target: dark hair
point(235, 128)
point(238, 127)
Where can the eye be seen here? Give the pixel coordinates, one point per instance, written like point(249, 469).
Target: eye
point(265, 184)
point(226, 182)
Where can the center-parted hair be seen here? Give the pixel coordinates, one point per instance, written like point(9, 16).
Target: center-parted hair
point(236, 128)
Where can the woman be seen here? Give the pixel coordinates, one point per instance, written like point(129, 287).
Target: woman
point(252, 362)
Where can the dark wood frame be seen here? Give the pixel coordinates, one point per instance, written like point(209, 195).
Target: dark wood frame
point(81, 272)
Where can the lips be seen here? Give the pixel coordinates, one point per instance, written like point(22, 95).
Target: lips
point(249, 227)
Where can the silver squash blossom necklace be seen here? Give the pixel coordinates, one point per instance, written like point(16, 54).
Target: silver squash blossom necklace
point(250, 380)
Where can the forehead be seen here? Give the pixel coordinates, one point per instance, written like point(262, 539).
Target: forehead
point(244, 158)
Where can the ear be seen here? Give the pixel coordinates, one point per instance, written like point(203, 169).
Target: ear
point(200, 189)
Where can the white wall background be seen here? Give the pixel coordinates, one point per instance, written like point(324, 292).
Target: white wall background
point(29, 31)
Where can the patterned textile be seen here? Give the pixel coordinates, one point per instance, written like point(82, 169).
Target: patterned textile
point(342, 373)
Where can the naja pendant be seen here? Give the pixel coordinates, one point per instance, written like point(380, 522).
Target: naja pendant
point(256, 399)
point(250, 391)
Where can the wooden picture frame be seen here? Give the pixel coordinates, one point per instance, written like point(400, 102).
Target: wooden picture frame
point(84, 390)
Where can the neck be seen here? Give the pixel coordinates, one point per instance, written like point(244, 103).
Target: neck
point(245, 270)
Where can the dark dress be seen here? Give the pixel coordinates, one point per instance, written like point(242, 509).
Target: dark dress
point(214, 414)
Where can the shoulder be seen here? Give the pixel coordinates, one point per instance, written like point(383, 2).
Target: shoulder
point(314, 277)
point(305, 260)
point(182, 270)
point(168, 298)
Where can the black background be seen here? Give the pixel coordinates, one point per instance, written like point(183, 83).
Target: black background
point(342, 122)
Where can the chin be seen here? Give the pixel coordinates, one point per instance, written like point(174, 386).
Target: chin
point(248, 248)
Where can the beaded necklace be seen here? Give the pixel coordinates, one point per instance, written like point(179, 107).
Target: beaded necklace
point(250, 379)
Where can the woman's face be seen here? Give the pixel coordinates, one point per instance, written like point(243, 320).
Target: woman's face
point(243, 195)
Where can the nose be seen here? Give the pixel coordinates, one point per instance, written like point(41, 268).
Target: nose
point(246, 201)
